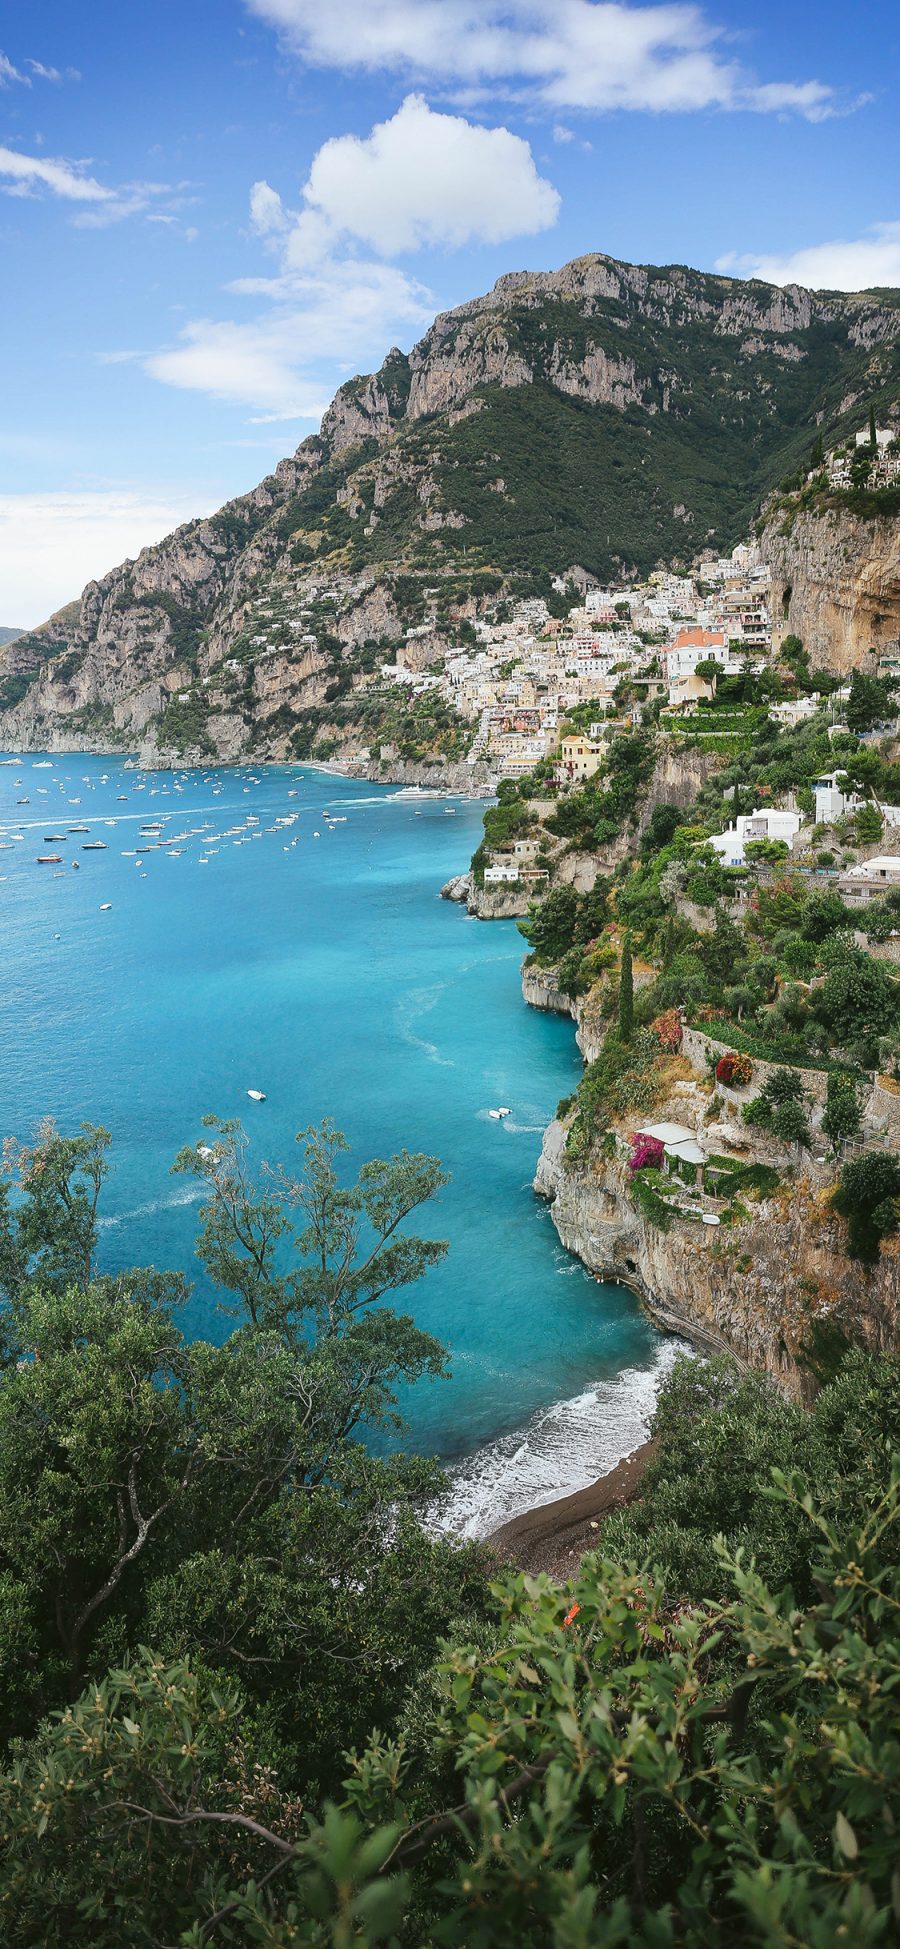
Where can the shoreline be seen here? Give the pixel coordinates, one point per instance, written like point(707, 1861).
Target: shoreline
point(554, 1536)
point(193, 760)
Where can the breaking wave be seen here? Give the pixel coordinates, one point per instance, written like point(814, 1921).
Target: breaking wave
point(562, 1448)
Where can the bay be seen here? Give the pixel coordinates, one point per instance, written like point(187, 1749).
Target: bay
point(314, 961)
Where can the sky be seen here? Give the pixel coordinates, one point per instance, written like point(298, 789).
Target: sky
point(214, 211)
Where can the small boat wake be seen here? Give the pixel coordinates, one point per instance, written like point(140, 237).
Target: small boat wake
point(190, 1194)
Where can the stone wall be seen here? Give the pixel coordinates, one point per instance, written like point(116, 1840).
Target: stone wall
point(696, 1045)
point(884, 1103)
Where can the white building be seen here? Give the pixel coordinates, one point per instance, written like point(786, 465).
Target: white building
point(767, 823)
point(797, 710)
point(496, 875)
point(831, 803)
point(883, 437)
point(870, 879)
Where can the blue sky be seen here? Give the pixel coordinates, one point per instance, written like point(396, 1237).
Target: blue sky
point(212, 211)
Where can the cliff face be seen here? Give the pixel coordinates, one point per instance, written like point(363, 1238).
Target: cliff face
point(557, 421)
point(836, 584)
point(755, 1291)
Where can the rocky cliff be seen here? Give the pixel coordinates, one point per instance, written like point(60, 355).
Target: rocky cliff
point(756, 1291)
point(835, 583)
point(608, 416)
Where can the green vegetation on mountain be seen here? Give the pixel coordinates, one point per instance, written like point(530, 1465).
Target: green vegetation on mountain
point(608, 416)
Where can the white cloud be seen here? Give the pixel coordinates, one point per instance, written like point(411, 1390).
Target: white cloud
point(98, 205)
point(842, 265)
point(280, 363)
point(267, 212)
point(587, 54)
point(30, 173)
point(9, 73)
point(419, 178)
point(53, 74)
point(424, 178)
point(52, 544)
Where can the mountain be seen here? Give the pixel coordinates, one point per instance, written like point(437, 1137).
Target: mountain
point(606, 417)
point(9, 635)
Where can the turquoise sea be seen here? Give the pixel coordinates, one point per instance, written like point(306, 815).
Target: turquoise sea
point(315, 961)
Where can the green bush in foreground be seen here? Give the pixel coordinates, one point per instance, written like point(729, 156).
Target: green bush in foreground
point(248, 1701)
point(616, 1768)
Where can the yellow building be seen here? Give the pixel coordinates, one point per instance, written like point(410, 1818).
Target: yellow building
point(579, 757)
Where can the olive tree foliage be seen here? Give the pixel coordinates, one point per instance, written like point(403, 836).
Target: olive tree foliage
point(49, 1198)
point(614, 1767)
point(217, 1500)
point(310, 1260)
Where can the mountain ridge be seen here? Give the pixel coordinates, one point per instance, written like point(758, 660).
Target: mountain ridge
point(606, 415)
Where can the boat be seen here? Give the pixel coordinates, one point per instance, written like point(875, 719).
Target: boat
point(106, 907)
point(49, 859)
point(499, 1114)
point(76, 868)
point(79, 829)
point(257, 1096)
point(95, 846)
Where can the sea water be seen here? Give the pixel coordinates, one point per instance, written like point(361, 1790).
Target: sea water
point(316, 962)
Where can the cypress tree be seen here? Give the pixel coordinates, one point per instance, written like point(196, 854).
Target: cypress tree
point(873, 438)
point(626, 993)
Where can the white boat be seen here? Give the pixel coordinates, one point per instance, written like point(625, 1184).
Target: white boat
point(257, 1096)
point(106, 907)
point(499, 1114)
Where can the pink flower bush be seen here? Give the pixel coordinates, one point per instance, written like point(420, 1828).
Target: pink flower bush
point(648, 1154)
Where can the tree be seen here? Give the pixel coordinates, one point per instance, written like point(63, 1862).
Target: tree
point(816, 454)
point(789, 1123)
point(218, 1499)
point(858, 1002)
point(868, 823)
point(624, 1760)
point(841, 1118)
point(767, 852)
point(51, 1234)
point(708, 669)
point(626, 992)
point(347, 1255)
point(867, 1197)
point(664, 822)
point(871, 701)
point(824, 914)
point(550, 927)
point(873, 433)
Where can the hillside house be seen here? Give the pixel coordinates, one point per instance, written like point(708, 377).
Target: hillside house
point(767, 823)
point(870, 880)
point(579, 757)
